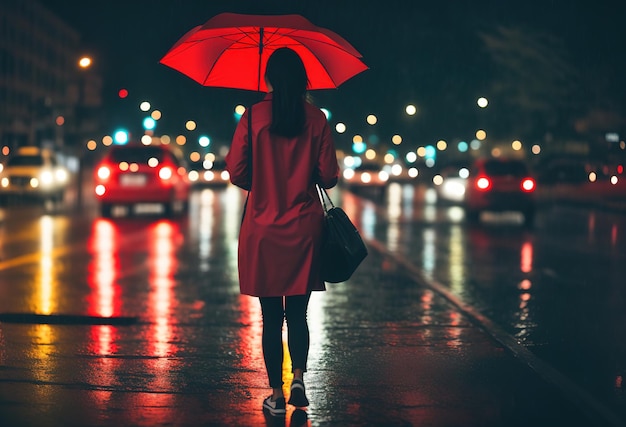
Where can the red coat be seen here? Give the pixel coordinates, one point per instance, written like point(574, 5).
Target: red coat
point(280, 235)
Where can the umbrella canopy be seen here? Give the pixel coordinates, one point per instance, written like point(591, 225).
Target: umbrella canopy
point(230, 50)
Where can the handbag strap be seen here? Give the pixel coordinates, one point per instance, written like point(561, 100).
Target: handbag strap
point(323, 197)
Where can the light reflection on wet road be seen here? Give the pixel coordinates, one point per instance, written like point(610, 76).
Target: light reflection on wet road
point(558, 288)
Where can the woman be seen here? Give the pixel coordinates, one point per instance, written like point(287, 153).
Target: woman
point(281, 230)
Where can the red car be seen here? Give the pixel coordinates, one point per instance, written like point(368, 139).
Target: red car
point(497, 184)
point(134, 174)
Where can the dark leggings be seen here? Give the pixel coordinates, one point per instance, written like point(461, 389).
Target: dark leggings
point(294, 310)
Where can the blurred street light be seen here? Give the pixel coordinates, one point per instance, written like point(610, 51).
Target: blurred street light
point(482, 102)
point(84, 62)
point(204, 141)
point(411, 109)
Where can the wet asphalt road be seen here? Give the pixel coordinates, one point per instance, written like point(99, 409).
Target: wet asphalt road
point(387, 348)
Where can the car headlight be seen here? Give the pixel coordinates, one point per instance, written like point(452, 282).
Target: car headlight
point(61, 175)
point(45, 178)
point(4, 182)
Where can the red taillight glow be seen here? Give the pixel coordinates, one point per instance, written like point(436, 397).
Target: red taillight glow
point(528, 185)
point(483, 183)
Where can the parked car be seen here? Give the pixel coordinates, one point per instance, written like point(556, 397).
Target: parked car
point(209, 174)
point(134, 174)
point(498, 184)
point(34, 172)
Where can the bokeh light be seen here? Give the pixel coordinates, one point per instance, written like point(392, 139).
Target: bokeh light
point(204, 141)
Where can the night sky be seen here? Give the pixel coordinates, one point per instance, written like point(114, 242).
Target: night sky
point(427, 53)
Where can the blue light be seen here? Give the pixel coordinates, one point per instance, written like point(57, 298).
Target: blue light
point(463, 146)
point(326, 113)
point(121, 137)
point(430, 153)
point(359, 147)
point(149, 123)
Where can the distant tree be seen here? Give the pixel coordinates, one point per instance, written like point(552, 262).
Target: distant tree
point(534, 88)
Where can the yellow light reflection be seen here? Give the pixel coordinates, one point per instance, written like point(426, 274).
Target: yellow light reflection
point(46, 297)
point(43, 339)
point(456, 261)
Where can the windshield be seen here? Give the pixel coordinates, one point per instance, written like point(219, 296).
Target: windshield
point(137, 154)
point(25, 161)
point(505, 168)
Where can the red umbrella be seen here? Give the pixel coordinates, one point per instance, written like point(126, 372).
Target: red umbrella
point(230, 50)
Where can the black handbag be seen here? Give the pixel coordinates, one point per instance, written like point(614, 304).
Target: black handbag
point(343, 249)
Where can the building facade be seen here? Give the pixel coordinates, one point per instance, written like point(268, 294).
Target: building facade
point(46, 98)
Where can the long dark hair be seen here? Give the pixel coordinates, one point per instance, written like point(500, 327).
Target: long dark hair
point(286, 73)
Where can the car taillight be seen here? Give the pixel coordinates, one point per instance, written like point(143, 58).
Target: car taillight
point(103, 172)
point(165, 173)
point(483, 183)
point(528, 185)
